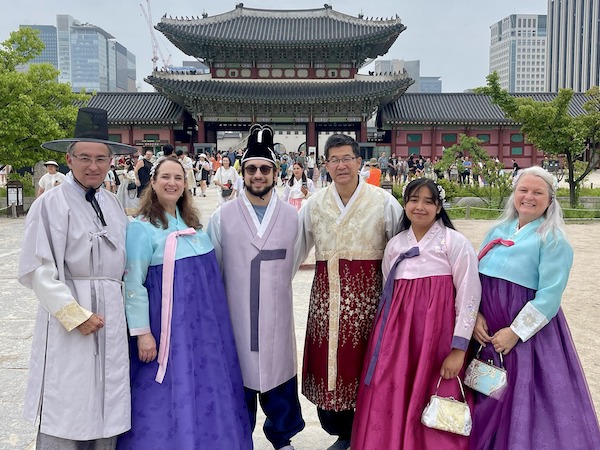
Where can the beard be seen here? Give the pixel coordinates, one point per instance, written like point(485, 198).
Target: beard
point(258, 192)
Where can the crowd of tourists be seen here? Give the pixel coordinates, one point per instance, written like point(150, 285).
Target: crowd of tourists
point(402, 309)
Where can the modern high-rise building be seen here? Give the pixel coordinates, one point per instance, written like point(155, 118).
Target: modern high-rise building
point(573, 50)
point(49, 36)
point(518, 52)
point(87, 57)
point(431, 85)
point(413, 69)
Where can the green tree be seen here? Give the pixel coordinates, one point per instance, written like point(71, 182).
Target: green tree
point(548, 126)
point(497, 184)
point(35, 106)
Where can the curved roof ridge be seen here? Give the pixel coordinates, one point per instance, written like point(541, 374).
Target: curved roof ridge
point(241, 11)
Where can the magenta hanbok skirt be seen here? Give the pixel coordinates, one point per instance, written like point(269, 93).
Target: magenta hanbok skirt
point(416, 340)
point(547, 403)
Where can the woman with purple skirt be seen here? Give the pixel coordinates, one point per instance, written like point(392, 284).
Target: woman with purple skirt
point(524, 267)
point(186, 382)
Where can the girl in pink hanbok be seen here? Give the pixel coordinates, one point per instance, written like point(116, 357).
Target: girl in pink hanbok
point(422, 328)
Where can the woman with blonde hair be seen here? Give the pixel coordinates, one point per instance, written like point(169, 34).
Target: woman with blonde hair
point(524, 267)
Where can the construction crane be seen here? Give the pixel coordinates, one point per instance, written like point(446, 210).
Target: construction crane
point(156, 50)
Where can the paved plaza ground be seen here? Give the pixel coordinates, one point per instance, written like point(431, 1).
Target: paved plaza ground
point(581, 304)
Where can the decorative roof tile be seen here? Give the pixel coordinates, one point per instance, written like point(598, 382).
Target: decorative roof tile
point(247, 27)
point(292, 91)
point(141, 108)
point(458, 109)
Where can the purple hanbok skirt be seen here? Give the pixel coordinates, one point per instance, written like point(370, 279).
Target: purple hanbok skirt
point(547, 404)
point(200, 403)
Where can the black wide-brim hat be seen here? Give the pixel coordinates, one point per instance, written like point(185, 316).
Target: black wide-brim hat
point(91, 126)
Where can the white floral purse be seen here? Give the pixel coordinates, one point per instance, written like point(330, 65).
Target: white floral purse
point(447, 413)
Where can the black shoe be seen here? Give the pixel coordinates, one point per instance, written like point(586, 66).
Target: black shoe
point(340, 444)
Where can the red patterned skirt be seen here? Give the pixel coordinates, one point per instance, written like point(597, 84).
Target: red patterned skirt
point(361, 286)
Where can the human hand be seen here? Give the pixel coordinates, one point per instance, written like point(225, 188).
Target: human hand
point(304, 190)
point(93, 324)
point(504, 340)
point(146, 347)
point(138, 183)
point(480, 332)
point(452, 364)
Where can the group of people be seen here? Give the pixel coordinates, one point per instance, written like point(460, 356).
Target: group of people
point(204, 329)
point(398, 170)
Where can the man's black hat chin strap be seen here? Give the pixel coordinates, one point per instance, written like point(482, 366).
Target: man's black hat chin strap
point(90, 196)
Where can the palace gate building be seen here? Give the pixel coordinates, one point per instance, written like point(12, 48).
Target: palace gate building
point(298, 69)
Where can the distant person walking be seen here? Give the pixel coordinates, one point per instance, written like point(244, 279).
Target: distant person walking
point(142, 171)
point(50, 179)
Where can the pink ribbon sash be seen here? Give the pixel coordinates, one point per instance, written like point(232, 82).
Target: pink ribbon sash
point(167, 300)
point(489, 245)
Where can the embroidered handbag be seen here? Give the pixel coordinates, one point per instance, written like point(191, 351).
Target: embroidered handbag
point(226, 192)
point(448, 414)
point(485, 377)
point(131, 186)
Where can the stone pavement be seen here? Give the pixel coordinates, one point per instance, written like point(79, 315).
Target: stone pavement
point(18, 306)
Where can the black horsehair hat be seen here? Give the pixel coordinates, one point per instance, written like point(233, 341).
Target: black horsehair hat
point(91, 126)
point(260, 144)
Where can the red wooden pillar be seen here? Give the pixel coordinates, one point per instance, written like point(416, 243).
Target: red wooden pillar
point(311, 135)
point(361, 135)
point(201, 130)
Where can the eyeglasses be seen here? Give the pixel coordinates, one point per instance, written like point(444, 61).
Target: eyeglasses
point(86, 160)
point(251, 170)
point(337, 161)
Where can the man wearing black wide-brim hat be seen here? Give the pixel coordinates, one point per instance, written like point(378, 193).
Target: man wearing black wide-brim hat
point(73, 258)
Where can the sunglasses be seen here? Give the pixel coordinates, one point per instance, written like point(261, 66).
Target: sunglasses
point(251, 170)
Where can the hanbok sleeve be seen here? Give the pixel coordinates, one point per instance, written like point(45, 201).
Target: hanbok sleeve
point(139, 257)
point(286, 193)
point(393, 215)
point(55, 296)
point(388, 258)
point(214, 233)
point(465, 277)
point(37, 268)
point(305, 239)
point(556, 259)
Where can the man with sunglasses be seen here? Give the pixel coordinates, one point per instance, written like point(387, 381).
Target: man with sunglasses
point(253, 237)
point(349, 223)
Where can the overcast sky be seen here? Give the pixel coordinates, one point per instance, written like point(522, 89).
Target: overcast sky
point(450, 37)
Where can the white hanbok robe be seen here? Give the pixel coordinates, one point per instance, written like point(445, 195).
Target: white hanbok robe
point(78, 385)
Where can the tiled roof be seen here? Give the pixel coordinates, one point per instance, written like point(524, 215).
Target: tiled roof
point(281, 28)
point(458, 109)
point(362, 87)
point(141, 108)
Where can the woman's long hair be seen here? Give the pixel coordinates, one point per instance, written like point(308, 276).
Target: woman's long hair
point(293, 177)
point(151, 208)
point(412, 188)
point(554, 222)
